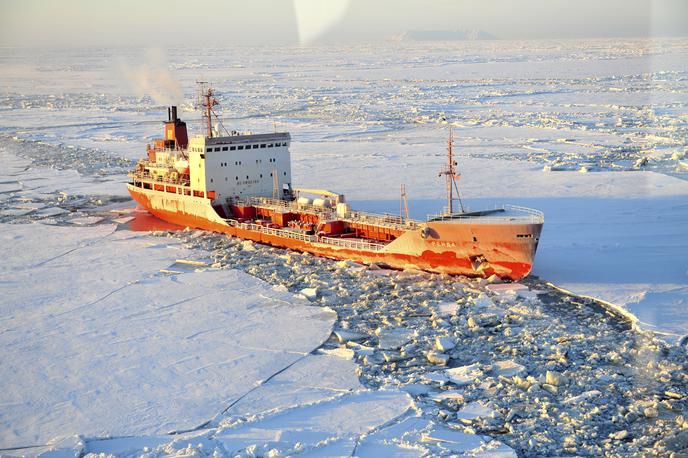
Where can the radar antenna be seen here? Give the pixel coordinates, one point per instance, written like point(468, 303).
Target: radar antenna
point(452, 177)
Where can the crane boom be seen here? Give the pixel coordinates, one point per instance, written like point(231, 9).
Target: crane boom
point(322, 192)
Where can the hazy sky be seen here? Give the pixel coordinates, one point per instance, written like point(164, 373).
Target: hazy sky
point(221, 23)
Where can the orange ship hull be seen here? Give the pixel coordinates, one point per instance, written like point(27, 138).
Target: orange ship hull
point(477, 249)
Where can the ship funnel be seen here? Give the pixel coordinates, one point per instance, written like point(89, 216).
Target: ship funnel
point(175, 130)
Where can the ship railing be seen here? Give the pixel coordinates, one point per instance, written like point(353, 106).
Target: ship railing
point(158, 179)
point(525, 216)
point(345, 243)
point(353, 244)
point(390, 221)
point(324, 212)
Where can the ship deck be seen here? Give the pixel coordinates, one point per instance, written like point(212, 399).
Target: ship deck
point(506, 214)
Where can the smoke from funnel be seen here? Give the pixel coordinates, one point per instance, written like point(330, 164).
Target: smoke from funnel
point(151, 76)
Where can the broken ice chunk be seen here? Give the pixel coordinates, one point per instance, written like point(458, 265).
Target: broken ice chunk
point(393, 338)
point(340, 352)
point(416, 389)
point(392, 356)
point(582, 397)
point(347, 336)
point(508, 368)
point(464, 375)
point(438, 358)
point(553, 378)
point(437, 377)
point(450, 395)
point(444, 343)
point(310, 293)
point(483, 301)
point(473, 410)
point(247, 245)
point(506, 288)
point(447, 308)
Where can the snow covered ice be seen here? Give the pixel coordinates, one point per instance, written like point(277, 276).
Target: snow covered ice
point(112, 346)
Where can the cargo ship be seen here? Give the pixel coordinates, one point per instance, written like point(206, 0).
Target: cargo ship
point(240, 184)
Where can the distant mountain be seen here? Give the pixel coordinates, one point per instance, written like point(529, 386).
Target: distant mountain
point(445, 35)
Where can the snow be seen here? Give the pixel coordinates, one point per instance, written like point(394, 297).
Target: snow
point(630, 252)
point(134, 346)
point(527, 117)
point(106, 342)
point(111, 354)
point(349, 416)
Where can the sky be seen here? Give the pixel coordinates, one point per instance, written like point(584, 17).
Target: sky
point(288, 22)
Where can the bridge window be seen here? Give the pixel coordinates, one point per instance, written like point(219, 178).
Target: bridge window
point(217, 149)
point(255, 146)
point(270, 145)
point(208, 150)
point(232, 148)
point(263, 145)
point(224, 148)
point(240, 146)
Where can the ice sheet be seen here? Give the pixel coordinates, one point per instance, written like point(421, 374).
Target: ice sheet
point(107, 346)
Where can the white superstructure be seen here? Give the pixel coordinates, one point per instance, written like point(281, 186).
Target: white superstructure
point(238, 166)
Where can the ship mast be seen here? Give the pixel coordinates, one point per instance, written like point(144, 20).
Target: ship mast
point(452, 177)
point(207, 102)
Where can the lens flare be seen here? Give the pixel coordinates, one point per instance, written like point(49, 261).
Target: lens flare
point(315, 17)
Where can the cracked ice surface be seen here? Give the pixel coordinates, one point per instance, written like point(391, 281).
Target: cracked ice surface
point(97, 342)
point(116, 349)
